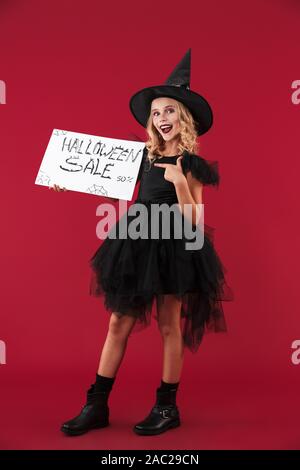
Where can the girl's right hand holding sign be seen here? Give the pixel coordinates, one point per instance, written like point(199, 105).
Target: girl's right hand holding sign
point(57, 188)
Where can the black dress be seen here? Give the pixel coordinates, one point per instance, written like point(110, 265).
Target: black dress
point(131, 273)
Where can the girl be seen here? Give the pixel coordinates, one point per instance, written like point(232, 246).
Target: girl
point(188, 285)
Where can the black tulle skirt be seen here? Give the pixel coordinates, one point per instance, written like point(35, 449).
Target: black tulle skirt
point(135, 275)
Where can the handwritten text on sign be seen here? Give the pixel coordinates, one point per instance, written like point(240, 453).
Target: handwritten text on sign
point(91, 164)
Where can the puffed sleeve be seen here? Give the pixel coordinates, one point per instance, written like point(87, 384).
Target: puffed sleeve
point(145, 153)
point(203, 170)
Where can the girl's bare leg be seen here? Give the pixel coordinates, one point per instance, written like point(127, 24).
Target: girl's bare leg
point(173, 347)
point(115, 344)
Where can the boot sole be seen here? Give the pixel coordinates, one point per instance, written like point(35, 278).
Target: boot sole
point(72, 432)
point(147, 432)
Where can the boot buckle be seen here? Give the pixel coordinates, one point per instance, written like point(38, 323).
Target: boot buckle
point(165, 413)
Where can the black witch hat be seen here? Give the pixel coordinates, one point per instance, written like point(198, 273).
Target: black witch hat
point(176, 86)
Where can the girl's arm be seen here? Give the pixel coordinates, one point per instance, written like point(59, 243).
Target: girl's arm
point(189, 190)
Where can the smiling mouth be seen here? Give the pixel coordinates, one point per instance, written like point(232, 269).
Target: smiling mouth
point(166, 128)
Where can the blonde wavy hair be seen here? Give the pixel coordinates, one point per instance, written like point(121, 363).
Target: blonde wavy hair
point(187, 136)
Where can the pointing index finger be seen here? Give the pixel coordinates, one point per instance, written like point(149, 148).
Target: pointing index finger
point(163, 165)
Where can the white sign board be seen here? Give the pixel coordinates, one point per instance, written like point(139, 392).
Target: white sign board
point(91, 164)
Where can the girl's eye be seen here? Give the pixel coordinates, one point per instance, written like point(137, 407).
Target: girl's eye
point(169, 109)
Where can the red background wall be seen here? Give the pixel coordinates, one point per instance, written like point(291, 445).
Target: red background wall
point(74, 65)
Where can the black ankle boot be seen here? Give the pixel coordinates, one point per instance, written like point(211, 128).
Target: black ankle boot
point(163, 416)
point(94, 414)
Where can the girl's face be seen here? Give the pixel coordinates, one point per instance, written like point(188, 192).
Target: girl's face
point(165, 117)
